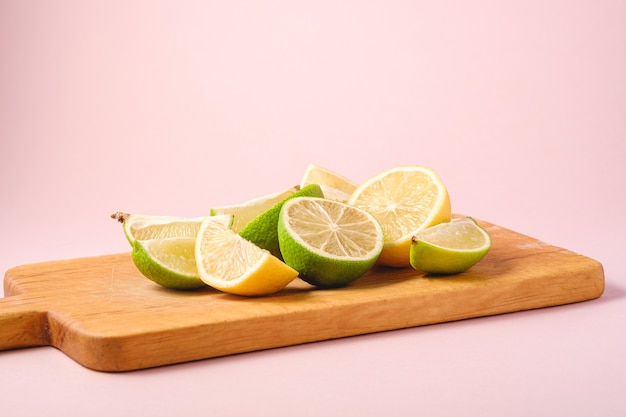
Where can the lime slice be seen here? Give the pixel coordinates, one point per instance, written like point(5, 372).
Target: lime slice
point(164, 247)
point(246, 212)
point(328, 242)
point(263, 232)
point(232, 264)
point(169, 262)
point(449, 248)
point(334, 186)
point(146, 227)
point(404, 200)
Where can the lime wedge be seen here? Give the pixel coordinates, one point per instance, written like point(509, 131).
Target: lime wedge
point(449, 248)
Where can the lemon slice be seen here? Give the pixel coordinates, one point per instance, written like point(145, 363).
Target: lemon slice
point(404, 200)
point(146, 227)
point(334, 186)
point(450, 248)
point(232, 264)
point(328, 242)
point(169, 262)
point(245, 212)
point(263, 232)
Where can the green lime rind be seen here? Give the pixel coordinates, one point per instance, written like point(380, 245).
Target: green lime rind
point(263, 230)
point(164, 275)
point(435, 259)
point(322, 271)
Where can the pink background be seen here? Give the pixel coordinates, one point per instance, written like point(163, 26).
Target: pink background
point(173, 107)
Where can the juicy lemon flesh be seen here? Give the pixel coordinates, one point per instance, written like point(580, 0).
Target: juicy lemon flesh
point(218, 246)
point(332, 229)
point(402, 202)
point(230, 263)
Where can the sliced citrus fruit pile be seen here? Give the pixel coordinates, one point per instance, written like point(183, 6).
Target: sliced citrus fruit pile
point(328, 230)
point(449, 248)
point(334, 185)
point(230, 263)
point(328, 242)
point(404, 200)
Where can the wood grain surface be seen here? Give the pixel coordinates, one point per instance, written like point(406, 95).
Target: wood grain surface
point(105, 315)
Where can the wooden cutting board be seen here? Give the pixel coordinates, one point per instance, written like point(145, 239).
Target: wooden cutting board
point(105, 315)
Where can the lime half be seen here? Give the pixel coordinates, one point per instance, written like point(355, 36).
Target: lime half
point(328, 242)
point(450, 247)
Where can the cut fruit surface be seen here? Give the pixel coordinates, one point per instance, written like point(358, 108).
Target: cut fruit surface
point(449, 248)
point(328, 242)
point(146, 227)
point(232, 264)
point(334, 185)
point(246, 212)
point(404, 200)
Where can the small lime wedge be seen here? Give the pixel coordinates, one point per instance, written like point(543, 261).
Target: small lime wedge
point(168, 262)
point(450, 247)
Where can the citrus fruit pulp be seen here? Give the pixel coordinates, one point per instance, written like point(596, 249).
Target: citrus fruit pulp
point(232, 264)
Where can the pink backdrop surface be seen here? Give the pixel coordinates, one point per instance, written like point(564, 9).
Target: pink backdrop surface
point(163, 107)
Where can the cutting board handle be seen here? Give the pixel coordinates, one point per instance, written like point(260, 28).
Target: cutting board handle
point(23, 323)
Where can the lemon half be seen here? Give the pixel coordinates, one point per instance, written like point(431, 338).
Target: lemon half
point(404, 200)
